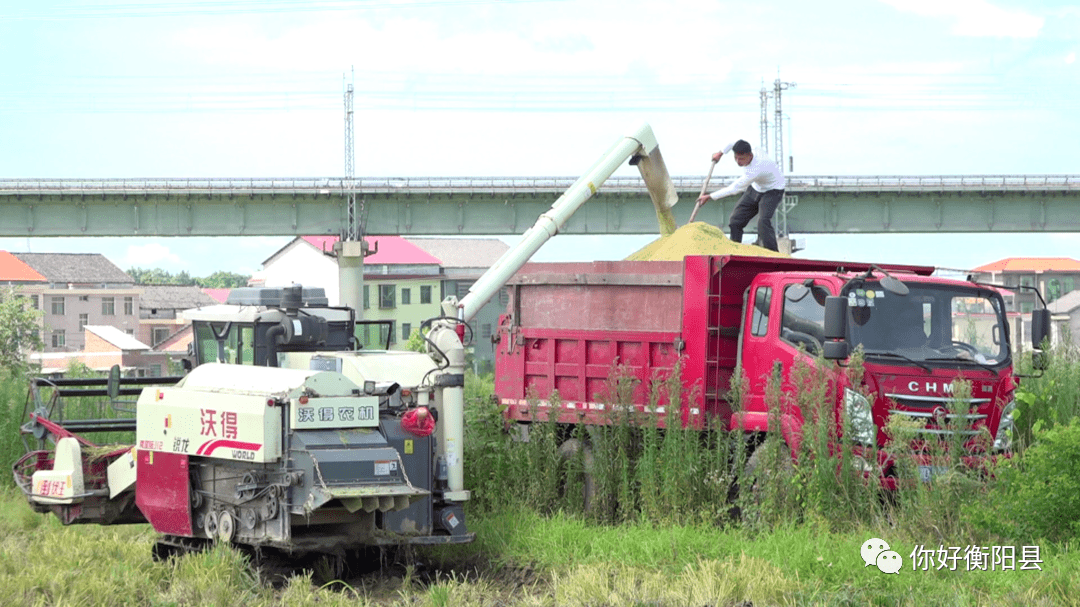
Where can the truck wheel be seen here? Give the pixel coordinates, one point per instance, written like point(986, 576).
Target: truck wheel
point(569, 451)
point(749, 487)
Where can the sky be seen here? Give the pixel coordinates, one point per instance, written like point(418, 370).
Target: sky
point(536, 88)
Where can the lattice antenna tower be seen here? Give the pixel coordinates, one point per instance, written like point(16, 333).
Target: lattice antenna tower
point(778, 128)
point(353, 229)
point(764, 147)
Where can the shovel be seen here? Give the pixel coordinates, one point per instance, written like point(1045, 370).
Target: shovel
point(704, 187)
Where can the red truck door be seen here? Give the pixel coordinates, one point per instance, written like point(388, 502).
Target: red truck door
point(785, 320)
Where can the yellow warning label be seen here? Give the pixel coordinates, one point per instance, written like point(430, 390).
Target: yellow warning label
point(408, 446)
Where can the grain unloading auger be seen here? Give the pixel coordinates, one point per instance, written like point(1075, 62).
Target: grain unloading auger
point(285, 434)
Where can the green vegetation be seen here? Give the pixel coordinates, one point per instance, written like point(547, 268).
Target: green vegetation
point(217, 280)
point(630, 515)
point(20, 332)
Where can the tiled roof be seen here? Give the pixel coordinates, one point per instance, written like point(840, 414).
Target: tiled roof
point(463, 252)
point(75, 267)
point(173, 297)
point(12, 269)
point(1065, 304)
point(1031, 264)
point(116, 337)
point(393, 250)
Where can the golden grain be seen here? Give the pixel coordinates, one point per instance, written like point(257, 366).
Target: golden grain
point(698, 238)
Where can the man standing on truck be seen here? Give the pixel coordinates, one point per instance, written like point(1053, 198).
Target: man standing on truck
point(766, 190)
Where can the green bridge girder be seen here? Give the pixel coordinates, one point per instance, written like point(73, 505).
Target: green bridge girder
point(487, 206)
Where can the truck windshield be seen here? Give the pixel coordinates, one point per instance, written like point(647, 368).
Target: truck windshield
point(932, 322)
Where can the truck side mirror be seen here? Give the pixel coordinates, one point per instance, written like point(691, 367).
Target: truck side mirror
point(835, 317)
point(835, 346)
point(1040, 327)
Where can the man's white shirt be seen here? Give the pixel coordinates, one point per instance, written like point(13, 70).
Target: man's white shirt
point(762, 174)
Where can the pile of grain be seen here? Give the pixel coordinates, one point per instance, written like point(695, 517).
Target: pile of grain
point(698, 238)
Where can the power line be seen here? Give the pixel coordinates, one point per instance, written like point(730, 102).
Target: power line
point(296, 91)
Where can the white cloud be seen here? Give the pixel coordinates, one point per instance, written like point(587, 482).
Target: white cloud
point(1070, 58)
point(151, 255)
point(975, 17)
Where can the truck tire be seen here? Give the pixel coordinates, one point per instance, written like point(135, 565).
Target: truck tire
point(749, 492)
point(569, 450)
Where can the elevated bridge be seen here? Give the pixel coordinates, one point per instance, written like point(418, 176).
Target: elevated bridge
point(496, 205)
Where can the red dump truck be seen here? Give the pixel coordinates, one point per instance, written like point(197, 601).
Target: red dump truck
point(568, 324)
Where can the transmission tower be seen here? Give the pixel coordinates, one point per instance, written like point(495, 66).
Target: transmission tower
point(352, 230)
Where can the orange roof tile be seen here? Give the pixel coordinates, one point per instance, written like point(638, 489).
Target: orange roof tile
point(1031, 264)
point(12, 269)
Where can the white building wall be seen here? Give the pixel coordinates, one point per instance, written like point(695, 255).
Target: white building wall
point(303, 265)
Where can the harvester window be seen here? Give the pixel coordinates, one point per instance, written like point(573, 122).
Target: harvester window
point(759, 325)
point(247, 345)
point(217, 342)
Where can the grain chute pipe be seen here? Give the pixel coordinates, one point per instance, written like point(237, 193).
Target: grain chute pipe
point(642, 144)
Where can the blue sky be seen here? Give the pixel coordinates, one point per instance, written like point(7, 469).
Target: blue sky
point(253, 88)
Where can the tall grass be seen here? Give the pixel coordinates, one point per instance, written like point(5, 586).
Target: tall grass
point(1050, 399)
point(12, 395)
point(679, 476)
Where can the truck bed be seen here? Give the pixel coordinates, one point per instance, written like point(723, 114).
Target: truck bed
point(568, 325)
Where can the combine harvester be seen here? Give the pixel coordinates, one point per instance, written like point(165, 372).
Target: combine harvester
point(285, 435)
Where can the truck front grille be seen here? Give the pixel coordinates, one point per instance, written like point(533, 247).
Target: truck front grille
point(923, 408)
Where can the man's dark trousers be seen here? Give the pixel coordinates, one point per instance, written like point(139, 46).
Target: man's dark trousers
point(762, 204)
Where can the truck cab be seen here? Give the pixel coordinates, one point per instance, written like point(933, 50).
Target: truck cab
point(918, 334)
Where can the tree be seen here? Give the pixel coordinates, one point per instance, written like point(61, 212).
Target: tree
point(223, 280)
point(217, 280)
point(157, 276)
point(20, 331)
point(415, 342)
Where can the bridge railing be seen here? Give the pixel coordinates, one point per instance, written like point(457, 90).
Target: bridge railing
point(512, 185)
